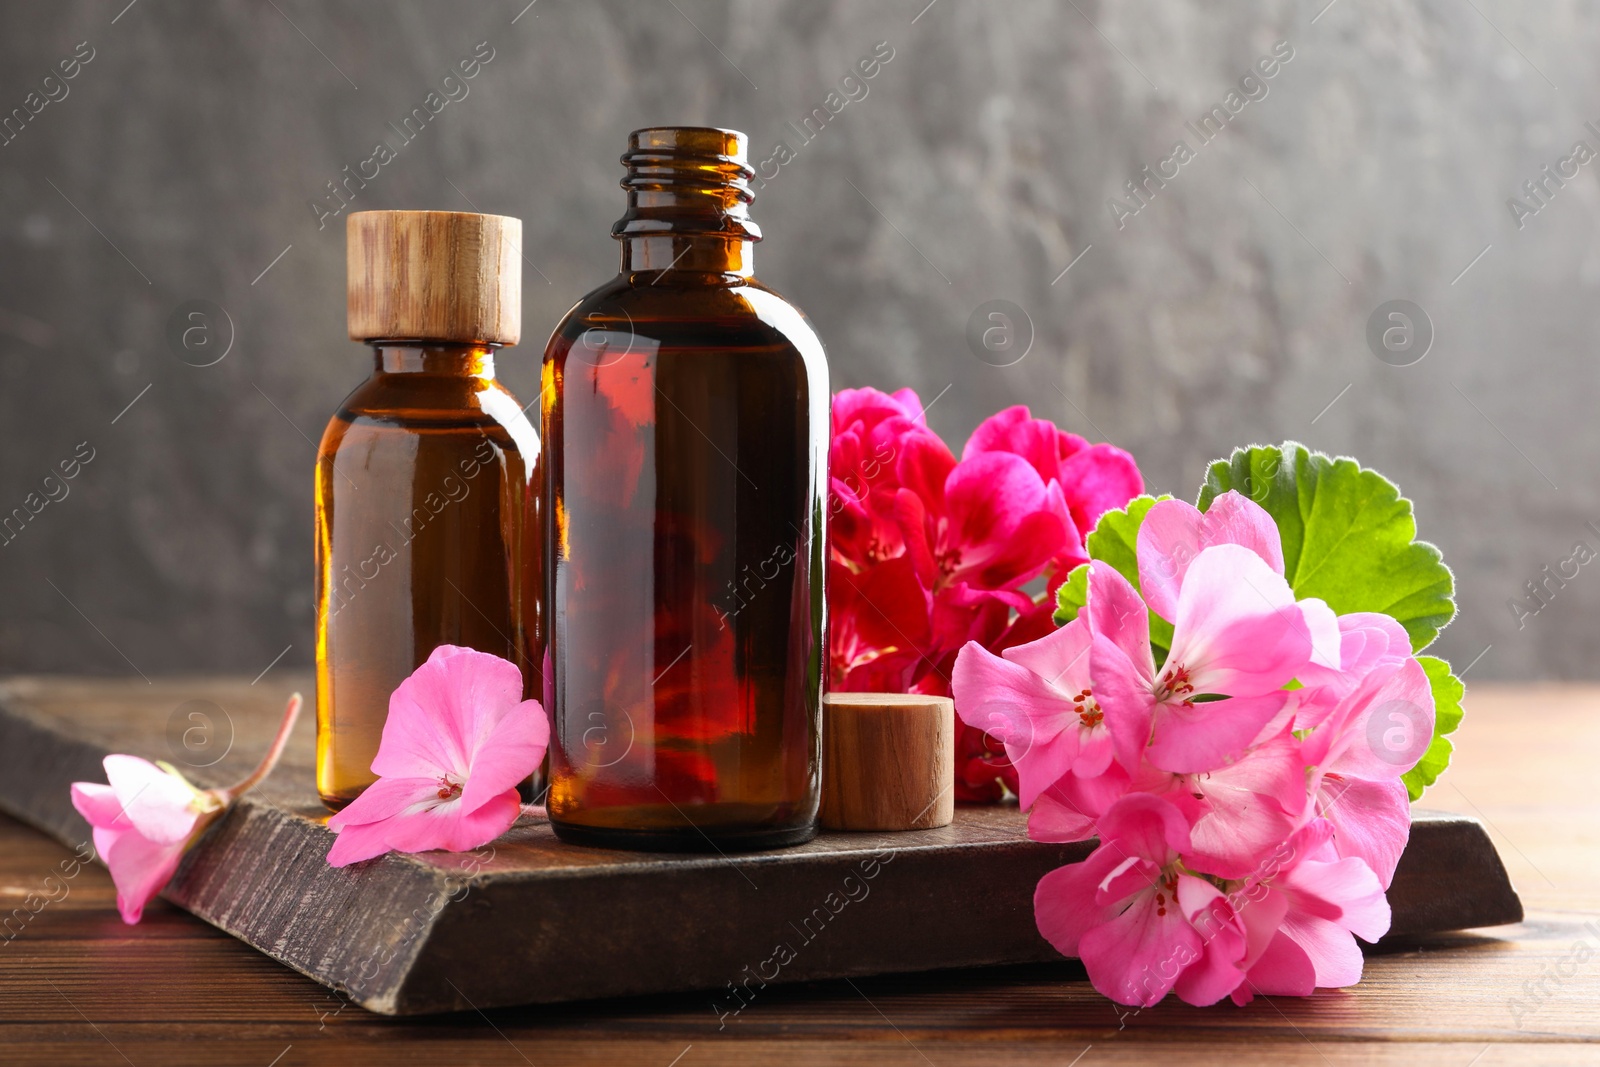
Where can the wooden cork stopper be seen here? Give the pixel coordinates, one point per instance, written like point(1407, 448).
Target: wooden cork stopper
point(888, 761)
point(434, 276)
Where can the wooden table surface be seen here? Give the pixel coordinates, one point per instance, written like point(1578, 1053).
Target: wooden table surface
point(77, 986)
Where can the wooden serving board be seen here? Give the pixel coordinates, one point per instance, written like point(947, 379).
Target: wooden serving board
point(532, 920)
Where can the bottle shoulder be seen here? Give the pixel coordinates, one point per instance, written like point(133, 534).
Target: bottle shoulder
point(749, 313)
point(429, 405)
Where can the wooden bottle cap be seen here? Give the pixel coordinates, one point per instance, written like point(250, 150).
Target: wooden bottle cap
point(434, 276)
point(888, 761)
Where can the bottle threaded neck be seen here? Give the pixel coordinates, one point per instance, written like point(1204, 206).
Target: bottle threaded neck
point(687, 180)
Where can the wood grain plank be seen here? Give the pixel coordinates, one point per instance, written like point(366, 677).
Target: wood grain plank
point(173, 990)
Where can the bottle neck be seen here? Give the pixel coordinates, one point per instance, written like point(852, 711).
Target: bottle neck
point(446, 359)
point(687, 258)
point(688, 216)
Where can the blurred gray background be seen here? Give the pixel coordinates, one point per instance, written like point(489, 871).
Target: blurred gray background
point(183, 161)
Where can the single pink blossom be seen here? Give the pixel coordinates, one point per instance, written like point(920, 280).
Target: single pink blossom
point(1238, 634)
point(1037, 700)
point(458, 740)
point(1302, 913)
point(1119, 910)
point(149, 814)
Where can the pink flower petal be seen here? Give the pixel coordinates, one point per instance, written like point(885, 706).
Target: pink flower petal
point(1335, 957)
point(99, 805)
point(450, 826)
point(1198, 738)
point(385, 799)
point(1217, 972)
point(441, 714)
point(1063, 902)
point(1120, 662)
point(1174, 533)
point(509, 753)
point(1146, 826)
point(1283, 970)
point(1237, 629)
point(1068, 810)
point(1136, 957)
point(1371, 821)
point(155, 803)
point(139, 867)
point(1246, 808)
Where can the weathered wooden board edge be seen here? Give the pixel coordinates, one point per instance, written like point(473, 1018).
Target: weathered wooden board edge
point(403, 936)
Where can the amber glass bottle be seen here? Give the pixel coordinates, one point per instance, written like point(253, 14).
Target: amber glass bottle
point(428, 528)
point(685, 412)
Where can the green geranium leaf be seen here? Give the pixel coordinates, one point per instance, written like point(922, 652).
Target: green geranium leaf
point(1447, 693)
point(1349, 537)
point(1113, 540)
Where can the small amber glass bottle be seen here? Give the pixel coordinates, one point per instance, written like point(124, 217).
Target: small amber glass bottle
point(427, 495)
point(685, 412)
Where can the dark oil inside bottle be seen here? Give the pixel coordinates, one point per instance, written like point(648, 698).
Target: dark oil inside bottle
point(428, 533)
point(685, 443)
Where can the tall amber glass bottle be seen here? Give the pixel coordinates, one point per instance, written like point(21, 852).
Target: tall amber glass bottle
point(685, 412)
point(428, 523)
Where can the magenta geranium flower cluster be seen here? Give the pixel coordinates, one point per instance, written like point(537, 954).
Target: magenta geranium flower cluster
point(1244, 783)
point(927, 553)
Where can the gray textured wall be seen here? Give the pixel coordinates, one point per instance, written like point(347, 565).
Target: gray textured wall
point(186, 154)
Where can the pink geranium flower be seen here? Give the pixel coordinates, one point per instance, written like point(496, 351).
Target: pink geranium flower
point(1238, 633)
point(1301, 915)
point(1357, 756)
point(1119, 910)
point(1037, 700)
point(148, 816)
point(1174, 533)
point(458, 740)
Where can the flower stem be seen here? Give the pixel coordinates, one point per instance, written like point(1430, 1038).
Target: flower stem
point(270, 760)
